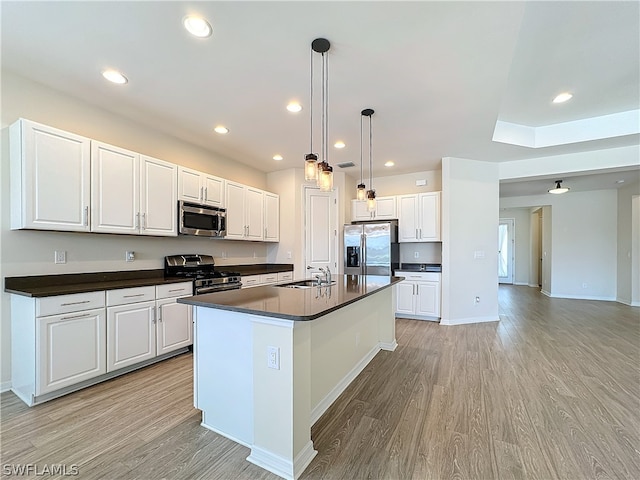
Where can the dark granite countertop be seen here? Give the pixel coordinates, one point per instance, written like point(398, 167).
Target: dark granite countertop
point(292, 303)
point(420, 267)
point(64, 284)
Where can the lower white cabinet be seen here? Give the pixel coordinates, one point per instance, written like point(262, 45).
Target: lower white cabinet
point(174, 322)
point(283, 276)
point(70, 348)
point(265, 279)
point(131, 334)
point(418, 296)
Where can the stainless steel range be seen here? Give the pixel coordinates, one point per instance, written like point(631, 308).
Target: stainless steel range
point(201, 269)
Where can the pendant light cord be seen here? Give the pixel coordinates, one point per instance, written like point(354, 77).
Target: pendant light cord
point(325, 113)
point(361, 122)
point(311, 103)
point(371, 151)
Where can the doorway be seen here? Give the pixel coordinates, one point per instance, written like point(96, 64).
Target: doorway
point(321, 230)
point(506, 249)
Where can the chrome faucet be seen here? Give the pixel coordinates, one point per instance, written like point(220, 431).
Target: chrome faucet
point(327, 274)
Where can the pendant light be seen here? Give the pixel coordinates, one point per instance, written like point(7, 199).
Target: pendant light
point(362, 188)
point(558, 188)
point(310, 159)
point(371, 193)
point(321, 171)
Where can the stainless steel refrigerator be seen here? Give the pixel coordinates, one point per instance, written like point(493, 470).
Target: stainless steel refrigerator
point(371, 248)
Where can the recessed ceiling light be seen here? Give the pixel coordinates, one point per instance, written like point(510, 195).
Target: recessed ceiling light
point(294, 107)
point(619, 181)
point(339, 144)
point(563, 97)
point(278, 157)
point(115, 77)
point(197, 26)
point(221, 129)
point(389, 164)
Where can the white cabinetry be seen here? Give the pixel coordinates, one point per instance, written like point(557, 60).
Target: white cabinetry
point(245, 212)
point(250, 281)
point(131, 330)
point(50, 178)
point(419, 217)
point(385, 210)
point(199, 187)
point(56, 342)
point(283, 276)
point(418, 296)
point(271, 217)
point(265, 279)
point(131, 193)
point(174, 325)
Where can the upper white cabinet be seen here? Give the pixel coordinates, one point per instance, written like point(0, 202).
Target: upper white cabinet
point(199, 187)
point(50, 178)
point(385, 210)
point(245, 212)
point(132, 193)
point(271, 217)
point(419, 217)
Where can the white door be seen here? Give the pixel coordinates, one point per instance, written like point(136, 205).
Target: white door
point(408, 218)
point(131, 334)
point(158, 197)
point(115, 189)
point(234, 201)
point(213, 193)
point(254, 213)
point(174, 325)
point(56, 166)
point(321, 230)
point(428, 299)
point(190, 187)
point(71, 349)
point(271, 217)
point(505, 250)
point(405, 298)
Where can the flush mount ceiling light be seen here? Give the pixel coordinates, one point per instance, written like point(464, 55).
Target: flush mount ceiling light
point(197, 26)
point(321, 171)
point(294, 107)
point(221, 129)
point(278, 157)
point(563, 97)
point(115, 76)
point(558, 189)
point(339, 144)
point(390, 163)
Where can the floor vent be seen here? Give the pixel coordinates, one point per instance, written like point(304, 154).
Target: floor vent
point(346, 164)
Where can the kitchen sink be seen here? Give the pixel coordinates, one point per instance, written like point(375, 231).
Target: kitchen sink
point(306, 284)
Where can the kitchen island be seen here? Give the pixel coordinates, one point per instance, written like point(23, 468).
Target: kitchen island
point(270, 360)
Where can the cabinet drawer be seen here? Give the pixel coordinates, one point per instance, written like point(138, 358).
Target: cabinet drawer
point(174, 290)
point(69, 303)
point(130, 295)
point(282, 276)
point(250, 281)
point(268, 278)
point(421, 276)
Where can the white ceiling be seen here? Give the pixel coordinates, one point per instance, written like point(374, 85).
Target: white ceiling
point(438, 74)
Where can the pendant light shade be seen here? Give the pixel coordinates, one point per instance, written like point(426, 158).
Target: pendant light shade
point(371, 193)
point(362, 192)
point(320, 171)
point(558, 188)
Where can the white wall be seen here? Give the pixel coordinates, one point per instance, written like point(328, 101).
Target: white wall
point(399, 184)
point(579, 242)
point(522, 243)
point(31, 252)
point(470, 191)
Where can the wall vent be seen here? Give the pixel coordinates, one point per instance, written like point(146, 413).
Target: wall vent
point(346, 164)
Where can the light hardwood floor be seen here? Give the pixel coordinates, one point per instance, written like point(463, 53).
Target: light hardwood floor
point(551, 391)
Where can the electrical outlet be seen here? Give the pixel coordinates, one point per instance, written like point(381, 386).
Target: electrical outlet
point(584, 285)
point(273, 357)
point(357, 339)
point(476, 300)
point(60, 256)
point(129, 256)
point(416, 254)
point(288, 254)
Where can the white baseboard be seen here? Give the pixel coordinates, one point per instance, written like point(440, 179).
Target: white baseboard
point(5, 386)
point(465, 321)
point(390, 347)
point(544, 292)
point(280, 465)
point(580, 297)
point(533, 285)
point(325, 403)
point(225, 435)
point(627, 302)
point(521, 283)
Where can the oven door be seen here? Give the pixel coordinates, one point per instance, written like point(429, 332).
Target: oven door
point(218, 288)
point(201, 220)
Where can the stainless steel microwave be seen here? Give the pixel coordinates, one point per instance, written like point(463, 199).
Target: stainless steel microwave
point(201, 220)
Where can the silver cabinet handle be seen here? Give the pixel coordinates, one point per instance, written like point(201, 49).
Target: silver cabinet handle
point(74, 303)
point(205, 194)
point(137, 220)
point(144, 221)
point(201, 195)
point(132, 296)
point(417, 289)
point(153, 314)
point(420, 233)
point(176, 290)
point(159, 312)
point(76, 316)
point(86, 216)
point(265, 233)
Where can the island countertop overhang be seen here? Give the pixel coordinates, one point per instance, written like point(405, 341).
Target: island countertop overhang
point(292, 303)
